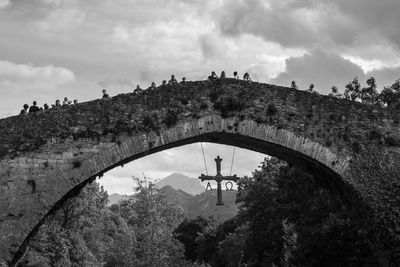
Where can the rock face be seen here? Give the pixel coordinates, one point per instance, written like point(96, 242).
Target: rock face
point(182, 182)
point(352, 148)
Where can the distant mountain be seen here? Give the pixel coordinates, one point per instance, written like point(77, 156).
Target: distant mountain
point(177, 197)
point(115, 198)
point(192, 197)
point(199, 205)
point(204, 204)
point(179, 181)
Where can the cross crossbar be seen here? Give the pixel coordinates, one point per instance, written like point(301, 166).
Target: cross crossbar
point(219, 178)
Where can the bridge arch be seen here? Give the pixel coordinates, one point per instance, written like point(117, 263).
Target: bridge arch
point(47, 157)
point(248, 134)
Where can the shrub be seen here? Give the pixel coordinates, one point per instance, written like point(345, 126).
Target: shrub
point(171, 117)
point(375, 134)
point(213, 96)
point(76, 164)
point(3, 151)
point(271, 110)
point(356, 147)
point(259, 119)
point(120, 126)
point(328, 143)
point(203, 106)
point(392, 140)
point(130, 131)
point(229, 103)
point(148, 122)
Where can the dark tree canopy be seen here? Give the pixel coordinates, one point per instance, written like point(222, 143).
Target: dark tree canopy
point(286, 219)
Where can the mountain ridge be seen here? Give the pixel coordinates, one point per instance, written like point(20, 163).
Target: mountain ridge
point(179, 181)
point(202, 204)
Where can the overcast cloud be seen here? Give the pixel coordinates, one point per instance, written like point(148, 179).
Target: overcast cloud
point(56, 48)
point(187, 159)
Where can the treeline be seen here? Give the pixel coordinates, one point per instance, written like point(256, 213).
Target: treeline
point(286, 219)
point(85, 232)
point(389, 96)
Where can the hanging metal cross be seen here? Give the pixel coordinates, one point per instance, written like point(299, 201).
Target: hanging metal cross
point(218, 178)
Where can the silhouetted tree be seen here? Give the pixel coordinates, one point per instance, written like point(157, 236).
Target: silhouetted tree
point(85, 232)
point(353, 90)
point(390, 95)
point(369, 95)
point(187, 233)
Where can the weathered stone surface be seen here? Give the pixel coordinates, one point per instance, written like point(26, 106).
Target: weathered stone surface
point(351, 148)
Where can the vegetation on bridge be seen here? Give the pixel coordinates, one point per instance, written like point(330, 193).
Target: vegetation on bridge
point(152, 110)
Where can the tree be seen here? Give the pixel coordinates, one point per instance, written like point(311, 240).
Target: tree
point(85, 232)
point(390, 95)
point(352, 91)
point(291, 219)
point(208, 241)
point(335, 92)
point(60, 240)
point(369, 95)
point(231, 248)
point(187, 233)
point(152, 220)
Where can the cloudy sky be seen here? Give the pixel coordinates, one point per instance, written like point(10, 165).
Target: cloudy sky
point(187, 160)
point(50, 49)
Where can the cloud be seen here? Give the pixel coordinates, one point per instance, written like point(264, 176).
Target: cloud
point(4, 3)
point(290, 23)
point(385, 76)
point(375, 18)
point(163, 40)
point(23, 83)
point(20, 78)
point(186, 159)
point(323, 69)
point(191, 46)
point(211, 46)
point(109, 83)
point(60, 22)
point(338, 25)
point(57, 2)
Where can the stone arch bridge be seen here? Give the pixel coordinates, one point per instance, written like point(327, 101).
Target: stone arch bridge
point(351, 148)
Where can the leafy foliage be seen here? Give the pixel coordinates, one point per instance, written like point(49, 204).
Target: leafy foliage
point(187, 233)
point(369, 95)
point(85, 232)
point(286, 219)
point(171, 117)
point(390, 95)
point(228, 103)
point(353, 90)
point(150, 121)
point(271, 110)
